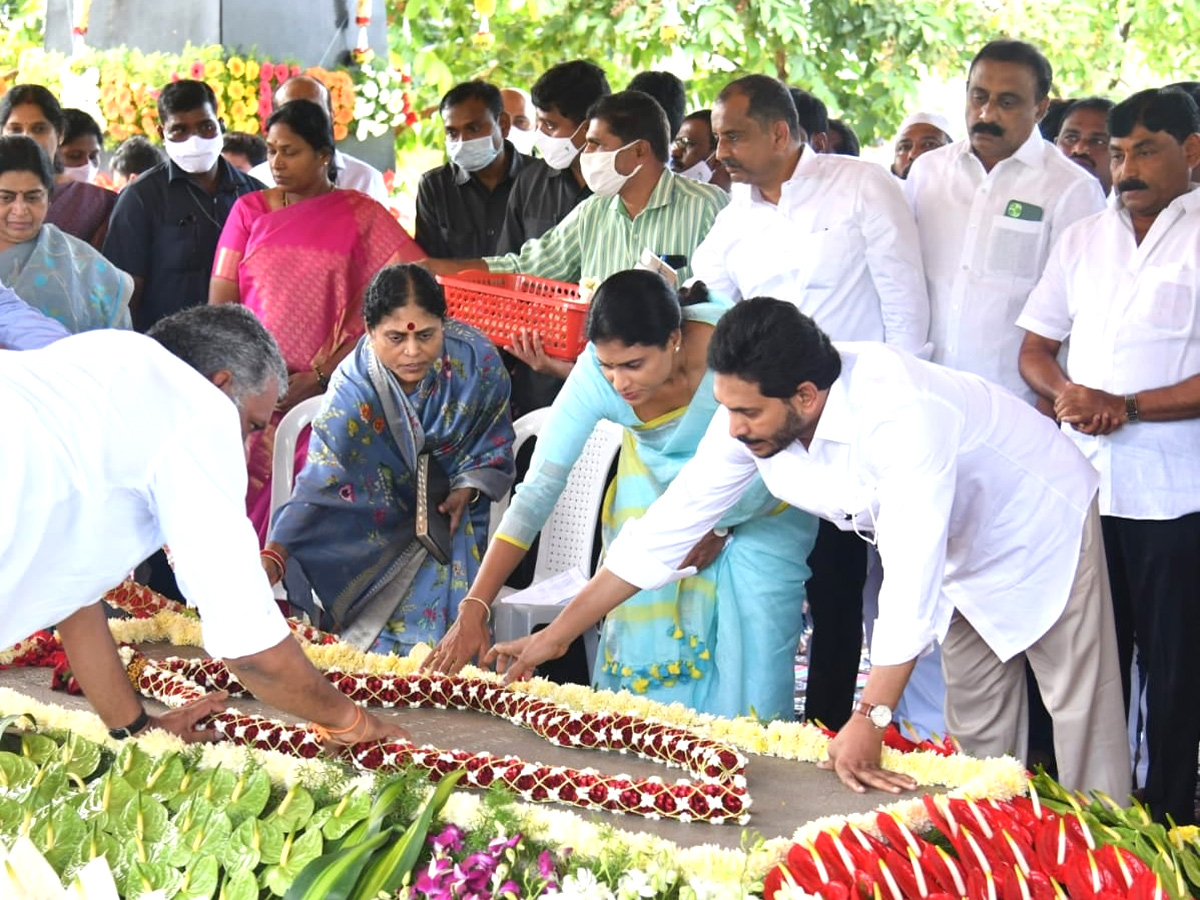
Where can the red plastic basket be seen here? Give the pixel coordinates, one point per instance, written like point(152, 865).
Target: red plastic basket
point(499, 304)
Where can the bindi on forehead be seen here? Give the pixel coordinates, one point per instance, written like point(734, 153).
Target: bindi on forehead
point(411, 326)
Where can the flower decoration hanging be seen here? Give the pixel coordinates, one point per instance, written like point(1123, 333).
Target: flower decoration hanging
point(382, 103)
point(362, 45)
point(484, 37)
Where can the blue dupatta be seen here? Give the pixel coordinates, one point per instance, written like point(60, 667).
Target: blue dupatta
point(69, 281)
point(722, 641)
point(349, 525)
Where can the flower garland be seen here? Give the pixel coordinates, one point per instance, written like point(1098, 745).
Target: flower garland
point(382, 102)
point(715, 793)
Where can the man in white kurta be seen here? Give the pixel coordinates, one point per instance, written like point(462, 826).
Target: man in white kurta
point(989, 208)
point(115, 445)
point(983, 513)
point(1123, 286)
point(833, 235)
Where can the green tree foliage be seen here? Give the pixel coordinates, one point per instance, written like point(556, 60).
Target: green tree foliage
point(863, 57)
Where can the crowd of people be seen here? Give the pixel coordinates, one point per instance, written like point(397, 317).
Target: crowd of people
point(955, 403)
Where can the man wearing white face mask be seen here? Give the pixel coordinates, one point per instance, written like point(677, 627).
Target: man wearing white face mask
point(165, 226)
point(637, 205)
point(461, 205)
point(694, 151)
point(550, 188)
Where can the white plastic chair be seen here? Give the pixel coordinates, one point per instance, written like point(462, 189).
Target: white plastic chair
point(568, 539)
point(283, 462)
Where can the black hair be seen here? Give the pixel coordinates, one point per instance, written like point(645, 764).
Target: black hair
point(1096, 104)
point(21, 153)
point(398, 286)
point(77, 123)
point(634, 116)
point(768, 101)
point(668, 90)
point(772, 344)
point(183, 96)
point(570, 88)
point(811, 111)
point(1051, 123)
point(1155, 109)
point(135, 156)
point(251, 146)
point(39, 96)
point(488, 94)
point(311, 123)
point(705, 116)
point(636, 307)
point(1010, 51)
point(850, 144)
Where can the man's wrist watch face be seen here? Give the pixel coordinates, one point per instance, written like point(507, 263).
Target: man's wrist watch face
point(878, 714)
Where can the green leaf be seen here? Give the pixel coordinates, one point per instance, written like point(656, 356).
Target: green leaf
point(145, 877)
point(49, 783)
point(295, 856)
point(199, 879)
point(38, 747)
point(163, 779)
point(253, 842)
point(133, 763)
point(332, 876)
point(80, 756)
point(96, 843)
point(143, 818)
point(208, 834)
point(11, 815)
point(240, 885)
point(16, 773)
point(294, 810)
point(58, 836)
point(348, 812)
point(387, 871)
point(249, 796)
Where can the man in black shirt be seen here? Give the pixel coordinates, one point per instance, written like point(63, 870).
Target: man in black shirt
point(551, 187)
point(461, 205)
point(166, 224)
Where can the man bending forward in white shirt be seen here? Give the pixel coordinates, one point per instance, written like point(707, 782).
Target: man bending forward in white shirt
point(983, 512)
point(117, 443)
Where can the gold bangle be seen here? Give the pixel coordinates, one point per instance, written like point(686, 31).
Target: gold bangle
point(487, 606)
point(322, 378)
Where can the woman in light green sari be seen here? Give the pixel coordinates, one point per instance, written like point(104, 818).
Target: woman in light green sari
point(722, 641)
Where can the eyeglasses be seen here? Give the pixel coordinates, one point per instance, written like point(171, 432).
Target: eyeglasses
point(684, 143)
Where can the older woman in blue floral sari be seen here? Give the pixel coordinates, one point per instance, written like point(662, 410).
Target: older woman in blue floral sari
point(416, 383)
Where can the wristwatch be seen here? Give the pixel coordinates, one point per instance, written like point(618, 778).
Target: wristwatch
point(878, 714)
point(132, 728)
point(1131, 410)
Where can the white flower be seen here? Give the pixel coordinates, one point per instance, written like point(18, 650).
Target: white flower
point(370, 89)
point(635, 883)
point(584, 885)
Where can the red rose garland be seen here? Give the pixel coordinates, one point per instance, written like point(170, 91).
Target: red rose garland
point(715, 793)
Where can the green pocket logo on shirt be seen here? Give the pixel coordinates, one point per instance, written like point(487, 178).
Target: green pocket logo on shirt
point(1024, 211)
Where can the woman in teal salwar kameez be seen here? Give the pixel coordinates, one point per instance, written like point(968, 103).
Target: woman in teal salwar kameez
point(721, 641)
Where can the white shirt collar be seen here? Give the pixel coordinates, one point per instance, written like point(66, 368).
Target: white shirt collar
point(1030, 152)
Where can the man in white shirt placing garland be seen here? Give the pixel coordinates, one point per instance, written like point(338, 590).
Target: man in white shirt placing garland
point(832, 234)
point(983, 512)
point(989, 209)
point(118, 443)
point(1124, 286)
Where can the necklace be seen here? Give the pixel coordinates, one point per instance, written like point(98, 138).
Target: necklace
point(329, 188)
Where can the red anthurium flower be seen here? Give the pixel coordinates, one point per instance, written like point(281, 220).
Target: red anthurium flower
point(1147, 886)
point(896, 832)
point(864, 848)
point(944, 869)
point(834, 891)
point(838, 859)
point(1053, 847)
point(1121, 864)
point(807, 867)
point(1084, 878)
point(1042, 887)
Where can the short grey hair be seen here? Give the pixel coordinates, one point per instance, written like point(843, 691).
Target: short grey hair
point(229, 338)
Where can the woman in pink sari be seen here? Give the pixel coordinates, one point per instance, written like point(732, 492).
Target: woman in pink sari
point(300, 255)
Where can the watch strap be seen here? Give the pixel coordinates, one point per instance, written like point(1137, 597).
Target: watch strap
point(1131, 408)
point(132, 728)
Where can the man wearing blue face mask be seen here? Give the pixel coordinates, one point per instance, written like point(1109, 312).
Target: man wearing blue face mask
point(461, 205)
point(165, 226)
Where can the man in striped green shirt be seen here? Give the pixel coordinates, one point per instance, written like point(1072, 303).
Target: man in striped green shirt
point(653, 209)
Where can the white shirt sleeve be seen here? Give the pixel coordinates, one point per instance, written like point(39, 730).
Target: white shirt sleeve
point(375, 187)
point(1047, 310)
point(894, 260)
point(197, 493)
point(708, 260)
point(648, 551)
point(917, 469)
